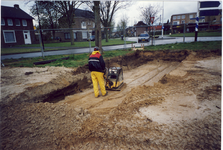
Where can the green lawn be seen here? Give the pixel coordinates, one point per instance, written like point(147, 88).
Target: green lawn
point(207, 45)
point(200, 34)
point(57, 46)
point(76, 60)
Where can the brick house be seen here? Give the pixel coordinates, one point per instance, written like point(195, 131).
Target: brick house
point(208, 23)
point(141, 27)
point(84, 24)
point(16, 27)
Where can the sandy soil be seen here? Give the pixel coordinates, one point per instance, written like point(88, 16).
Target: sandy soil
point(170, 100)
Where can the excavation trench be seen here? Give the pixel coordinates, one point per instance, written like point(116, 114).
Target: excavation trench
point(70, 81)
point(170, 100)
point(127, 63)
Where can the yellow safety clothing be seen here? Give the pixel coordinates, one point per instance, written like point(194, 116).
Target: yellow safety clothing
point(97, 77)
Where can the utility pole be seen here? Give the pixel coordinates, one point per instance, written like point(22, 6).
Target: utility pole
point(184, 33)
point(197, 21)
point(162, 19)
point(41, 39)
point(97, 25)
point(89, 39)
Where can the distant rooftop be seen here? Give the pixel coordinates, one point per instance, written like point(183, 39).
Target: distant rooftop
point(84, 13)
point(184, 13)
point(14, 12)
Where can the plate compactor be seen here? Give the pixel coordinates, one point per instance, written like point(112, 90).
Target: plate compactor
point(114, 78)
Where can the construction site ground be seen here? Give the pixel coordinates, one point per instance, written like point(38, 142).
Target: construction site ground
point(170, 100)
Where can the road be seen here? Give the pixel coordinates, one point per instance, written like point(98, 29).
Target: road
point(165, 40)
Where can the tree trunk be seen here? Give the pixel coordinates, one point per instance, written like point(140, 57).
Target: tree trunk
point(106, 34)
point(71, 36)
point(97, 25)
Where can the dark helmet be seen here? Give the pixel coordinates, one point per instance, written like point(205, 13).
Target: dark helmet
point(96, 48)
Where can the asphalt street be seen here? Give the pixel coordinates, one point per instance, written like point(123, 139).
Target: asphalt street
point(159, 41)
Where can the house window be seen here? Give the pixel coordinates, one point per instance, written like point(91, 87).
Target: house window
point(178, 17)
point(17, 22)
point(2, 21)
point(183, 16)
point(9, 36)
point(183, 21)
point(191, 16)
point(175, 22)
point(84, 35)
point(10, 23)
point(24, 22)
point(67, 36)
point(83, 25)
point(174, 17)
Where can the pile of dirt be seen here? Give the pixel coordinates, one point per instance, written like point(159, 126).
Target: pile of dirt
point(39, 125)
point(180, 110)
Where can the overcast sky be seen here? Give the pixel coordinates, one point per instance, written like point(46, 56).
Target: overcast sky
point(133, 13)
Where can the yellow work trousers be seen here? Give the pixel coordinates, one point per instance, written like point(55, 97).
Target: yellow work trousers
point(97, 77)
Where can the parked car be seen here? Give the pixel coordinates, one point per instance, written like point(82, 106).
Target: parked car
point(143, 37)
point(92, 38)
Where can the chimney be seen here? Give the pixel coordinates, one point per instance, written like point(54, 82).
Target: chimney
point(16, 6)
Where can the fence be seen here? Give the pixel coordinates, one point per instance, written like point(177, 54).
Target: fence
point(57, 39)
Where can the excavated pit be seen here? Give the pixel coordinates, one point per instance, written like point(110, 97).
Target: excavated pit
point(171, 100)
point(63, 86)
point(127, 62)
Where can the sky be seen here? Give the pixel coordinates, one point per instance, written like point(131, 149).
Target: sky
point(133, 13)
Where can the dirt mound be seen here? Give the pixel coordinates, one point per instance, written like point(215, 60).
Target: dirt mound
point(39, 126)
point(171, 100)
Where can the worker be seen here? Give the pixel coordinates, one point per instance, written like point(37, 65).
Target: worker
point(97, 67)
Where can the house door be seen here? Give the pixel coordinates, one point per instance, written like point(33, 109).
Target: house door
point(27, 38)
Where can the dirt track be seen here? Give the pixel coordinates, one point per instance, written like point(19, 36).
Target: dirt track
point(170, 100)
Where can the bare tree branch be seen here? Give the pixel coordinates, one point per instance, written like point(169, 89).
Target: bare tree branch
point(150, 11)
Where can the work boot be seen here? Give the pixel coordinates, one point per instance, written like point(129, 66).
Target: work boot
point(105, 94)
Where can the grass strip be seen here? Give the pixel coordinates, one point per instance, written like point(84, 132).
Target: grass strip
point(76, 60)
point(194, 46)
point(57, 46)
point(200, 34)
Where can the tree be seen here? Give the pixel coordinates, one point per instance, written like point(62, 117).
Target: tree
point(111, 28)
point(121, 27)
point(48, 14)
point(148, 12)
point(67, 10)
point(107, 12)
